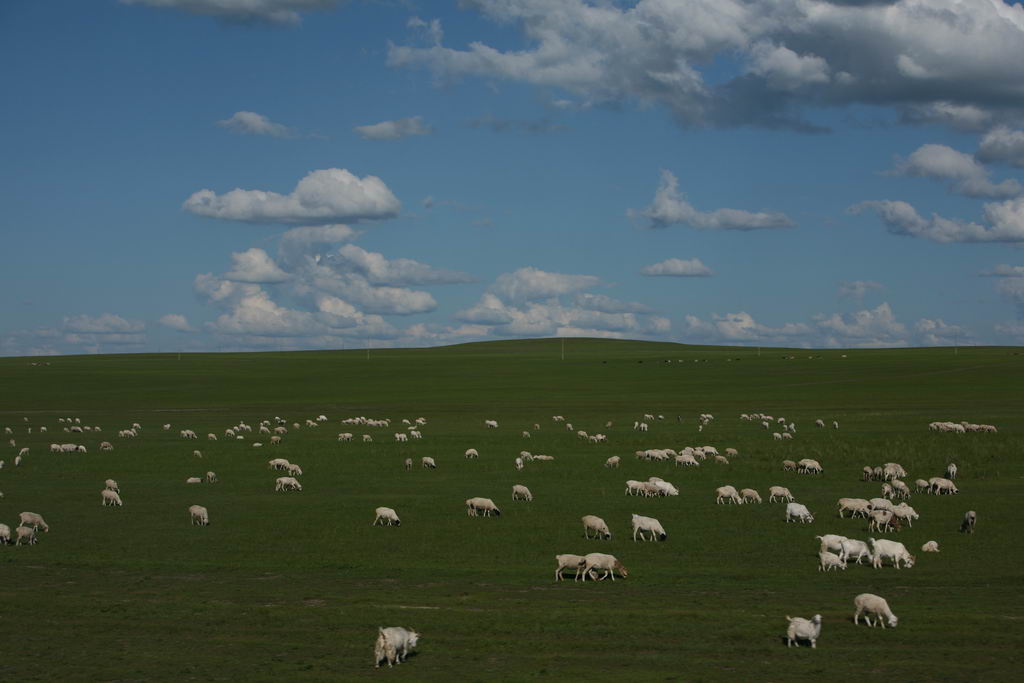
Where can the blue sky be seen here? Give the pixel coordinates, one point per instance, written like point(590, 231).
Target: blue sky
point(291, 174)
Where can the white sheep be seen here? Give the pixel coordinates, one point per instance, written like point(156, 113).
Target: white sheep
point(518, 463)
point(831, 542)
point(193, 480)
point(808, 466)
point(199, 454)
point(930, 547)
point(211, 478)
point(798, 511)
point(573, 562)
point(393, 644)
point(199, 515)
point(5, 535)
point(870, 605)
point(112, 485)
point(26, 534)
point(803, 629)
point(881, 520)
point(951, 471)
point(788, 466)
point(472, 453)
point(287, 484)
point(277, 464)
point(521, 492)
point(650, 525)
point(634, 487)
point(110, 498)
point(477, 506)
point(32, 519)
point(293, 469)
point(491, 424)
point(723, 493)
point(852, 549)
point(597, 525)
point(386, 517)
point(883, 549)
point(613, 461)
point(828, 561)
point(970, 519)
point(750, 495)
point(855, 506)
point(601, 561)
point(780, 492)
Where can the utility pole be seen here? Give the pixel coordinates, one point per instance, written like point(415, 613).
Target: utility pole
point(563, 348)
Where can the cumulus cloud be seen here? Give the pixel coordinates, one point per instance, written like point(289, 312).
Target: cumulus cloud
point(254, 265)
point(1005, 222)
point(1003, 145)
point(948, 60)
point(675, 267)
point(381, 271)
point(176, 321)
point(741, 327)
point(606, 304)
point(967, 176)
point(1003, 270)
point(939, 333)
point(273, 11)
point(251, 123)
point(669, 208)
point(325, 196)
point(868, 328)
point(107, 323)
point(431, 29)
point(531, 284)
point(1012, 289)
point(856, 289)
point(394, 130)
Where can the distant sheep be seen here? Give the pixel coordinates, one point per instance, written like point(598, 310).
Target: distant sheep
point(491, 424)
point(723, 493)
point(110, 498)
point(393, 645)
point(25, 534)
point(472, 453)
point(32, 519)
point(199, 515)
point(597, 525)
point(520, 492)
point(871, 605)
point(803, 629)
point(780, 492)
point(193, 480)
point(428, 463)
point(573, 562)
point(613, 461)
point(798, 511)
point(112, 485)
point(287, 484)
point(750, 496)
point(951, 470)
point(476, 507)
point(602, 562)
point(970, 519)
point(211, 478)
point(828, 561)
point(788, 466)
point(886, 549)
point(808, 466)
point(386, 517)
point(930, 547)
point(643, 525)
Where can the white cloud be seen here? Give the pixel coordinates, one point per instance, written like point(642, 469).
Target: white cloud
point(1012, 289)
point(741, 327)
point(867, 328)
point(394, 130)
point(669, 208)
point(255, 266)
point(856, 289)
point(675, 267)
point(1005, 222)
point(959, 116)
point(381, 271)
point(176, 321)
point(488, 311)
point(254, 124)
point(299, 244)
point(1003, 270)
point(1002, 144)
point(531, 284)
point(606, 304)
point(355, 288)
point(938, 333)
point(431, 29)
point(324, 196)
point(274, 11)
point(952, 60)
point(107, 323)
point(968, 176)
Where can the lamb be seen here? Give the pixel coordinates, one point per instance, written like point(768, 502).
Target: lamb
point(871, 605)
point(788, 466)
point(27, 534)
point(597, 525)
point(780, 492)
point(111, 498)
point(727, 492)
point(921, 485)
point(951, 471)
point(601, 561)
point(970, 519)
point(883, 549)
point(802, 629)
point(930, 547)
point(476, 506)
point(275, 440)
point(521, 492)
point(472, 453)
point(798, 511)
point(401, 436)
point(193, 480)
point(643, 524)
point(881, 520)
point(33, 520)
point(750, 495)
point(828, 561)
point(386, 517)
point(857, 550)
point(393, 644)
point(287, 484)
point(573, 562)
point(613, 461)
point(199, 515)
point(721, 459)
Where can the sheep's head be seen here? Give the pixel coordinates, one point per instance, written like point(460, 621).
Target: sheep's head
point(622, 570)
point(413, 639)
point(911, 560)
point(893, 620)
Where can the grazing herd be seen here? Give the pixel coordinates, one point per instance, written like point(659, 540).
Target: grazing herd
point(835, 553)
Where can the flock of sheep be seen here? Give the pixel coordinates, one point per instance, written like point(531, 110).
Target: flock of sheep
point(835, 551)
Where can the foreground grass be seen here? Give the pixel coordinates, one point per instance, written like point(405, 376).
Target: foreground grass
point(293, 585)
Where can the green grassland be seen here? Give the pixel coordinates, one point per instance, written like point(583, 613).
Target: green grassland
point(292, 586)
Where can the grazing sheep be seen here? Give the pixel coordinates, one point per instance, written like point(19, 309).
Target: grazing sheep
point(970, 519)
point(881, 550)
point(871, 605)
point(601, 561)
point(275, 440)
point(211, 478)
point(211, 437)
point(921, 485)
point(193, 480)
point(723, 493)
point(881, 504)
point(828, 561)
point(477, 506)
point(855, 506)
point(5, 535)
point(721, 459)
point(287, 484)
point(634, 487)
point(112, 485)
point(905, 513)
point(780, 492)
point(573, 562)
point(776, 436)
point(788, 466)
point(835, 424)
point(367, 438)
point(401, 436)
point(687, 460)
point(856, 550)
point(613, 461)
point(294, 469)
point(33, 520)
point(393, 644)
point(408, 464)
point(26, 534)
point(802, 629)
point(519, 463)
point(597, 525)
point(544, 458)
point(951, 471)
point(472, 453)
point(199, 515)
point(930, 547)
point(643, 524)
point(521, 492)
point(798, 511)
point(111, 498)
point(750, 495)
point(491, 424)
point(278, 464)
point(881, 520)
point(386, 517)
point(831, 542)
point(199, 454)
point(808, 466)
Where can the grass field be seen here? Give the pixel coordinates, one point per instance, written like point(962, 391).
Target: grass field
point(292, 586)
